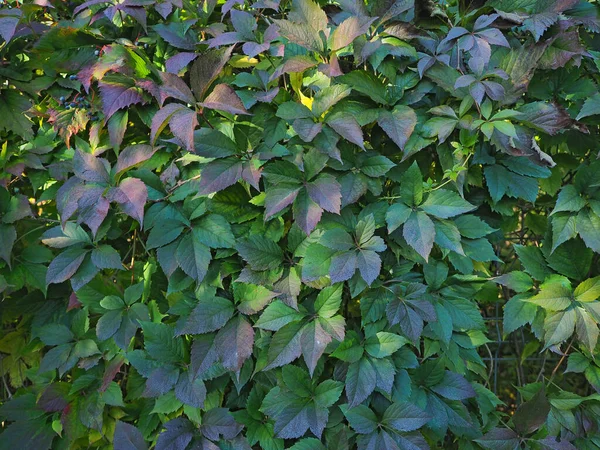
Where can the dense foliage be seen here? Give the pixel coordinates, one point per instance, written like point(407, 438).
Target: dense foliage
point(298, 225)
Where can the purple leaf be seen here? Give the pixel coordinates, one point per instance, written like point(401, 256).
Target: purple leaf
point(279, 197)
point(251, 174)
point(8, 23)
point(178, 62)
point(313, 341)
point(206, 69)
point(131, 195)
point(398, 124)
point(369, 265)
point(307, 129)
point(8, 236)
point(550, 118)
point(326, 192)
point(176, 34)
point(67, 197)
point(419, 233)
point(65, 265)
point(224, 98)
point(251, 49)
point(307, 213)
point(349, 30)
point(348, 128)
point(116, 96)
point(89, 168)
point(343, 265)
point(128, 437)
point(132, 156)
point(175, 87)
point(228, 38)
point(218, 175)
point(93, 207)
point(477, 91)
point(183, 122)
point(234, 343)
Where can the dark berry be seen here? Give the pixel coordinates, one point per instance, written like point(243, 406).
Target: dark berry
point(68, 107)
point(72, 77)
point(97, 52)
point(145, 45)
point(73, 104)
point(62, 99)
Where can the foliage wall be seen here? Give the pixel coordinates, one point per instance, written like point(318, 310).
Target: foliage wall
point(290, 225)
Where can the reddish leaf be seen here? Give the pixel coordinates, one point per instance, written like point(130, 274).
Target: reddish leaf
point(116, 96)
point(207, 68)
point(90, 168)
point(347, 127)
point(175, 87)
point(224, 98)
point(93, 208)
point(219, 175)
point(65, 265)
point(325, 191)
point(131, 195)
point(132, 156)
point(307, 213)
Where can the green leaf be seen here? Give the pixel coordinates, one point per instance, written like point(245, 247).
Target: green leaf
point(361, 418)
point(251, 298)
point(590, 107)
point(214, 231)
point(329, 300)
point(106, 257)
point(588, 226)
point(210, 314)
point(587, 329)
point(403, 417)
point(563, 229)
point(588, 290)
point(261, 253)
point(517, 312)
point(568, 200)
point(360, 381)
point(65, 265)
point(384, 344)
point(559, 326)
point(411, 186)
point(397, 214)
point(276, 315)
point(533, 262)
point(555, 294)
point(161, 343)
point(516, 281)
point(445, 204)
point(285, 346)
point(12, 110)
point(193, 256)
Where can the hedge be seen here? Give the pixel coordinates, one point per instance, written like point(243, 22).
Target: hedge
point(298, 225)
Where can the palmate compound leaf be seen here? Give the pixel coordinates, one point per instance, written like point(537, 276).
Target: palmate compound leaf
point(297, 406)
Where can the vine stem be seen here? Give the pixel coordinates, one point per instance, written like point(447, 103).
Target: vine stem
point(560, 361)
